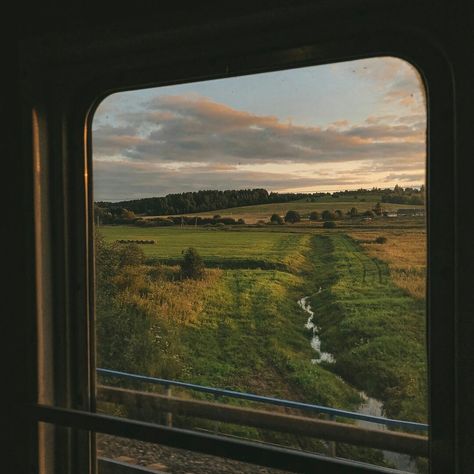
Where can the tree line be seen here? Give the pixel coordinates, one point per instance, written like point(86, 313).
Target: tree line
point(199, 201)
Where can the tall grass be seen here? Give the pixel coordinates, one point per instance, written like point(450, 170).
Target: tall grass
point(405, 253)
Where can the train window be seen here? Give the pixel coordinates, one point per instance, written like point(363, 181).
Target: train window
point(261, 262)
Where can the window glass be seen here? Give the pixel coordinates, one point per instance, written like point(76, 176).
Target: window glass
point(261, 254)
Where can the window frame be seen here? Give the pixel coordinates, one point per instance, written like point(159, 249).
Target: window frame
point(61, 89)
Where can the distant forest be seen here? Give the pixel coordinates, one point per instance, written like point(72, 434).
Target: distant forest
point(201, 201)
point(212, 200)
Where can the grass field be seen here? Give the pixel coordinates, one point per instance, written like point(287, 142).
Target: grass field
point(241, 328)
point(405, 254)
point(375, 329)
point(243, 248)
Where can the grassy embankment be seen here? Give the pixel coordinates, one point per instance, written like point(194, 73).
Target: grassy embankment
point(237, 328)
point(362, 312)
point(375, 329)
point(405, 254)
point(241, 328)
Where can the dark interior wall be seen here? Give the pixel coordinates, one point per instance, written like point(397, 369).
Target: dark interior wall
point(85, 29)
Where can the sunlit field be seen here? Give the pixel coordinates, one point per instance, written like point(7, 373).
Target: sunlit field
point(405, 253)
point(254, 214)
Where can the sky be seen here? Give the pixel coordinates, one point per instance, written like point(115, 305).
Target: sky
point(350, 125)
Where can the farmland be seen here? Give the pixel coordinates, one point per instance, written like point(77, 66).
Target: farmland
point(253, 214)
point(239, 248)
point(240, 326)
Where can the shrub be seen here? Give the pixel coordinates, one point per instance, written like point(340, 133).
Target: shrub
point(276, 219)
point(329, 224)
point(314, 216)
point(240, 222)
point(328, 216)
point(192, 265)
point(292, 217)
point(380, 240)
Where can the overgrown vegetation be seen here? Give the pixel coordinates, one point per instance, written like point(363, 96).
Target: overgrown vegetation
point(405, 253)
point(220, 309)
point(375, 329)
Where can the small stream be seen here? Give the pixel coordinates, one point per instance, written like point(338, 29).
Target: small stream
point(369, 406)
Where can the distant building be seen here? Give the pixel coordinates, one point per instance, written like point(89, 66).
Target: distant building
point(412, 211)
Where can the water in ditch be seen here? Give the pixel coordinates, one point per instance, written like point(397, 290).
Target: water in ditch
point(369, 406)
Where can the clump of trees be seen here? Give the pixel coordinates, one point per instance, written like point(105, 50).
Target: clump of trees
point(292, 217)
point(408, 195)
point(192, 265)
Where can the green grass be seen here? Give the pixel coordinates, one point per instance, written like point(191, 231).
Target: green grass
point(241, 327)
point(218, 248)
point(375, 329)
point(251, 337)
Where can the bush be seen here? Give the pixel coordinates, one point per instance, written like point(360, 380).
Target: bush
point(329, 225)
point(328, 216)
point(192, 265)
point(314, 216)
point(292, 217)
point(380, 240)
point(276, 219)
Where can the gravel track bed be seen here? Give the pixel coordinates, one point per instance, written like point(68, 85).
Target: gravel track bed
point(171, 460)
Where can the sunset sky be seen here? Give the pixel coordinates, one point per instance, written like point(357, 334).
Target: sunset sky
point(321, 128)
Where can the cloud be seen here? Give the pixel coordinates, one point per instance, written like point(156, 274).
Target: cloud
point(128, 180)
point(175, 143)
point(196, 130)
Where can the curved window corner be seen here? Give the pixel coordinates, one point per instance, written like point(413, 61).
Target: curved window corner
point(261, 264)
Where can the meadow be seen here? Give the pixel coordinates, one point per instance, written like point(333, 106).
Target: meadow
point(405, 254)
point(375, 329)
point(240, 326)
point(242, 248)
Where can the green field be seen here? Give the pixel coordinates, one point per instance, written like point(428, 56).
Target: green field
point(240, 326)
point(375, 329)
point(242, 248)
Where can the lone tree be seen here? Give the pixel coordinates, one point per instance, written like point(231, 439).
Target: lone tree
point(328, 216)
point(353, 212)
point(378, 209)
point(314, 216)
point(276, 219)
point(292, 217)
point(192, 265)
